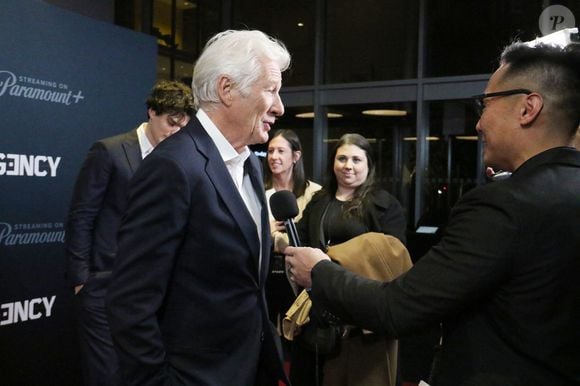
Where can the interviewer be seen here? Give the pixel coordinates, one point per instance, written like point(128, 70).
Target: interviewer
point(505, 279)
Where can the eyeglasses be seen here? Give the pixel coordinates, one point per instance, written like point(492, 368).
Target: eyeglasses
point(479, 99)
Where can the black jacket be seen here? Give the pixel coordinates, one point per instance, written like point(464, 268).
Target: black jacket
point(98, 203)
point(504, 280)
point(186, 302)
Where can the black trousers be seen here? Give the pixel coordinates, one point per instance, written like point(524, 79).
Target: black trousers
point(98, 358)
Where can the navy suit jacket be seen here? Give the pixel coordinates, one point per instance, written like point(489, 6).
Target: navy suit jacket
point(186, 302)
point(504, 281)
point(98, 203)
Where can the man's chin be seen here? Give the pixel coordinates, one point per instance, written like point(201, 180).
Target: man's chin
point(263, 138)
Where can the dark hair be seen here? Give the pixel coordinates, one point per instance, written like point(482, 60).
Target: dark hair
point(354, 207)
point(556, 73)
point(299, 181)
point(171, 97)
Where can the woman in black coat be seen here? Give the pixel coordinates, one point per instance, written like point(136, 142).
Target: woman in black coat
point(349, 204)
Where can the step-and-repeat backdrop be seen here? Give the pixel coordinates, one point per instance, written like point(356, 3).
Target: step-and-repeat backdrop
point(65, 81)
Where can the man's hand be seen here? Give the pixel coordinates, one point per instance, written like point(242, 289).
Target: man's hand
point(78, 288)
point(301, 260)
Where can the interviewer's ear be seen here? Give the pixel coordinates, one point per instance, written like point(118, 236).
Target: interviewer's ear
point(533, 105)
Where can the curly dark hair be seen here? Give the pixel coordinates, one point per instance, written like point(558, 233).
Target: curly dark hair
point(171, 97)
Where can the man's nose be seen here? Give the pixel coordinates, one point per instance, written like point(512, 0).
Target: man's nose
point(277, 107)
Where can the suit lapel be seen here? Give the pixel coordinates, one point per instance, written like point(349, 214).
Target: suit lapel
point(222, 180)
point(132, 150)
point(255, 172)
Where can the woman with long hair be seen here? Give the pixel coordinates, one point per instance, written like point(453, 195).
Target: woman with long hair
point(349, 204)
point(285, 171)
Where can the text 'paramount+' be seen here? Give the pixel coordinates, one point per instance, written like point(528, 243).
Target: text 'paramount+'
point(15, 235)
point(13, 86)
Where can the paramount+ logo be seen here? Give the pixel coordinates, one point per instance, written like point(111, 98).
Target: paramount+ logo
point(23, 165)
point(30, 234)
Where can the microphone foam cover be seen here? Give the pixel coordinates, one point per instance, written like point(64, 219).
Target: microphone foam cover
point(283, 205)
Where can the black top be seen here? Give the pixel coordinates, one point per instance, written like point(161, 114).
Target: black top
point(382, 213)
point(338, 228)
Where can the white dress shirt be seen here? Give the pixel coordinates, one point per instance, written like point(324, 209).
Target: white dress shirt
point(144, 144)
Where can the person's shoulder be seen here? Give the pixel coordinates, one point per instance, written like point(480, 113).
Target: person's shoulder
point(269, 193)
point(180, 150)
point(500, 194)
point(319, 196)
point(117, 139)
point(312, 187)
point(177, 144)
point(382, 198)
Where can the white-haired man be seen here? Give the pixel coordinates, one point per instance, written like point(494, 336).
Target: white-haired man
point(186, 302)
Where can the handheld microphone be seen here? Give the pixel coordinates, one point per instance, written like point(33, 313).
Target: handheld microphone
point(284, 208)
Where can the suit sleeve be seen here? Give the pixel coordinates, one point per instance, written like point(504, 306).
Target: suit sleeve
point(463, 268)
point(148, 241)
point(89, 192)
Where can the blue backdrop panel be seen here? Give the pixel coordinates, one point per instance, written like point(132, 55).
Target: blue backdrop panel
point(65, 81)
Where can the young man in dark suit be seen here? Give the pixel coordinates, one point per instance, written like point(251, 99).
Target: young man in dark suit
point(98, 203)
point(504, 280)
point(186, 303)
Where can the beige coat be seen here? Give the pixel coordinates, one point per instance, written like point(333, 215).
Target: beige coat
point(376, 256)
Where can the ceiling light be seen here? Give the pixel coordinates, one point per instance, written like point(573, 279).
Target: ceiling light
point(467, 137)
point(385, 113)
point(189, 4)
point(311, 115)
point(415, 138)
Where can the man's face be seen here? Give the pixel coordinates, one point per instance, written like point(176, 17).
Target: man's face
point(162, 126)
point(498, 125)
point(255, 111)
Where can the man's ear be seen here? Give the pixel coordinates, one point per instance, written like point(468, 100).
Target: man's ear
point(533, 105)
point(224, 90)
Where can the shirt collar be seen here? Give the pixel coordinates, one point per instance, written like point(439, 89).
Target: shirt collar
point(226, 150)
point(144, 144)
